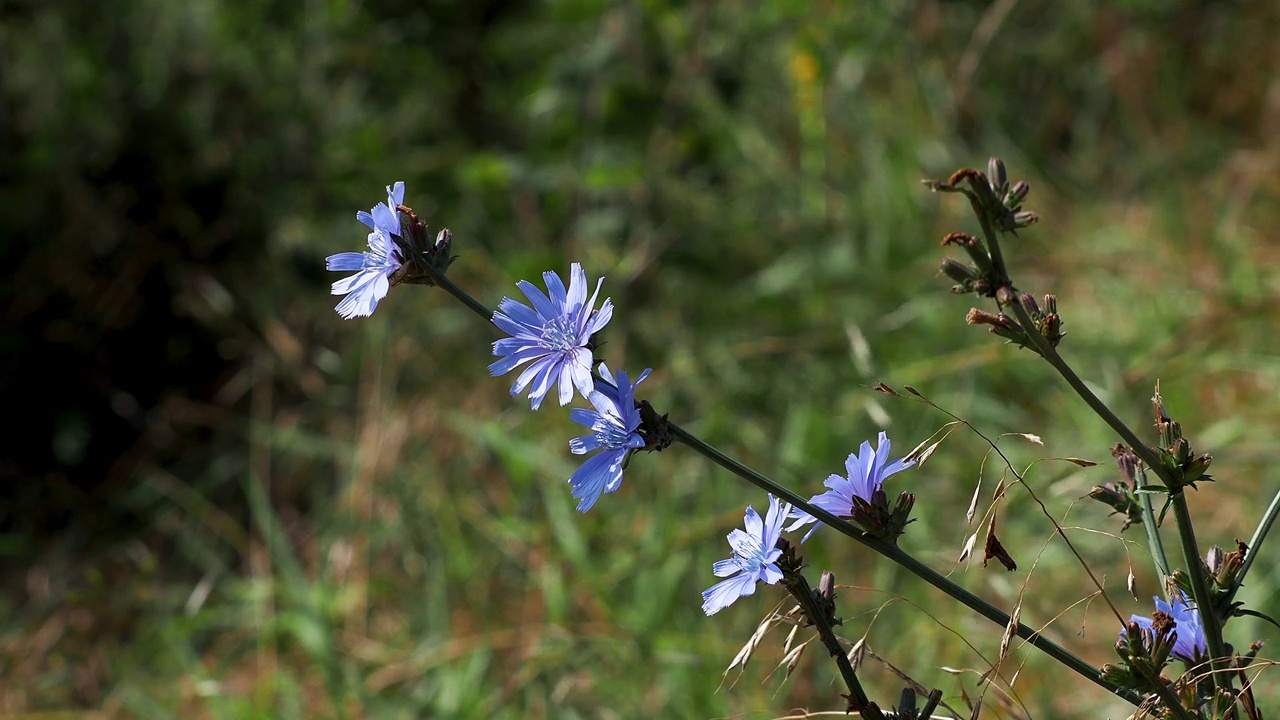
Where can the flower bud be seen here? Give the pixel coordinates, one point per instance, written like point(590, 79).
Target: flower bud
point(1017, 194)
point(1181, 451)
point(996, 174)
point(825, 595)
point(1225, 567)
point(1194, 470)
point(1006, 295)
point(1128, 462)
point(1170, 430)
point(827, 585)
point(1121, 500)
point(1025, 218)
point(1213, 559)
point(958, 271)
point(982, 317)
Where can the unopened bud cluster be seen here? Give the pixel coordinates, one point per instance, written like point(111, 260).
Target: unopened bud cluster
point(1122, 497)
point(1009, 198)
point(1143, 652)
point(880, 520)
point(1176, 453)
point(1048, 323)
point(424, 259)
point(1221, 570)
point(998, 205)
point(1223, 567)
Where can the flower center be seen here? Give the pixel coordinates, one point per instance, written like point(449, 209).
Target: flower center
point(611, 432)
point(753, 560)
point(560, 334)
point(383, 253)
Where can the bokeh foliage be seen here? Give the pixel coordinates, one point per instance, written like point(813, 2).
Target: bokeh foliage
point(222, 501)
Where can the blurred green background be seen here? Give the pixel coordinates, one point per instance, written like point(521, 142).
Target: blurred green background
point(219, 500)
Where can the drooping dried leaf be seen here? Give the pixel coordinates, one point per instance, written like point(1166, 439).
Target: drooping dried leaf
point(973, 504)
point(882, 388)
point(792, 659)
point(791, 638)
point(1009, 632)
point(994, 549)
point(858, 653)
point(1080, 461)
point(1132, 584)
point(924, 456)
point(968, 548)
point(1031, 438)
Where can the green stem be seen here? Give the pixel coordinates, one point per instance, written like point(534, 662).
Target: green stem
point(798, 586)
point(1157, 685)
point(1186, 533)
point(1050, 354)
point(897, 555)
point(886, 549)
point(1154, 542)
point(474, 305)
point(997, 258)
point(1200, 589)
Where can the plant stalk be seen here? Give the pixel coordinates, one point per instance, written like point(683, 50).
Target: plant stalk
point(798, 586)
point(448, 285)
point(1186, 533)
point(886, 549)
point(912, 565)
point(1050, 354)
point(1154, 542)
point(1165, 693)
point(1200, 590)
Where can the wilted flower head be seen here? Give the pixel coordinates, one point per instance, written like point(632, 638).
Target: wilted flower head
point(867, 471)
point(755, 558)
point(613, 426)
point(552, 336)
point(373, 268)
point(1191, 646)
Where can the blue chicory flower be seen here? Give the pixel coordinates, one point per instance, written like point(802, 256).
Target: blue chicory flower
point(755, 558)
point(866, 470)
point(370, 283)
point(1191, 646)
point(551, 336)
point(613, 426)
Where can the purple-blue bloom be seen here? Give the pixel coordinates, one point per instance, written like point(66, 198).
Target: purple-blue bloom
point(867, 471)
point(755, 558)
point(613, 426)
point(370, 283)
point(1191, 643)
point(551, 336)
